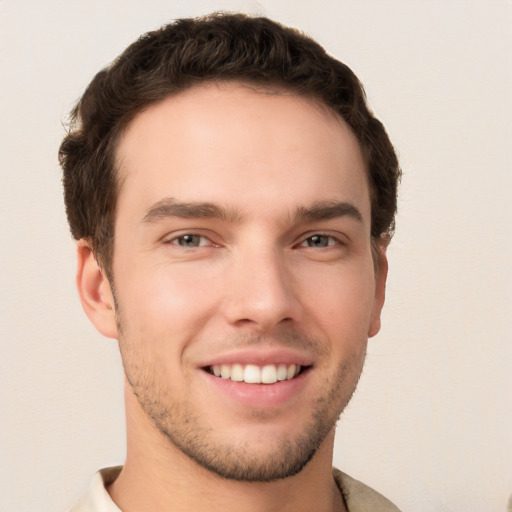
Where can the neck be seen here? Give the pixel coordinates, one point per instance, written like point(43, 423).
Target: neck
point(157, 476)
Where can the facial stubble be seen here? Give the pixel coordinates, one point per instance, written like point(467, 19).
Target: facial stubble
point(231, 459)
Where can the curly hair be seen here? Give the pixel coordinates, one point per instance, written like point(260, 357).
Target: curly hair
point(217, 47)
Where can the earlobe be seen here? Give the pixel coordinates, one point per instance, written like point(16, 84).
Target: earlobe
point(95, 292)
point(381, 274)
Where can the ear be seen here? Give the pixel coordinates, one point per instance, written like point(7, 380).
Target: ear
point(381, 274)
point(95, 292)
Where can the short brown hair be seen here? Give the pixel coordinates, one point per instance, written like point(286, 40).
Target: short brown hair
point(188, 52)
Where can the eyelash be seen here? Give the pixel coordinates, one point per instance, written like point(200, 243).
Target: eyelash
point(175, 240)
point(330, 241)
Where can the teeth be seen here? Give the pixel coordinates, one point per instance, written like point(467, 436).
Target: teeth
point(269, 374)
point(225, 371)
point(237, 372)
point(253, 374)
point(281, 372)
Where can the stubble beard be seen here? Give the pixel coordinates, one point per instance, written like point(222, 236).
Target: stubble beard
point(195, 438)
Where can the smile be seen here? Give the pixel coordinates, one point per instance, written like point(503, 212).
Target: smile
point(254, 374)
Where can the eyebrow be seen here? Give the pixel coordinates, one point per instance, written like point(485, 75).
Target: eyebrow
point(169, 207)
point(327, 210)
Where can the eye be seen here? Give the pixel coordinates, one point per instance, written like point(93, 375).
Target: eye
point(190, 241)
point(319, 241)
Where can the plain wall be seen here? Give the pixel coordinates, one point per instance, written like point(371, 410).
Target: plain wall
point(431, 423)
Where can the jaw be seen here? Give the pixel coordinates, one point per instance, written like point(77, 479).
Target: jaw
point(168, 475)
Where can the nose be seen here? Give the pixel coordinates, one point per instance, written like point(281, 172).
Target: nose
point(260, 291)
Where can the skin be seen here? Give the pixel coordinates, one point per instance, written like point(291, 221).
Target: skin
point(272, 266)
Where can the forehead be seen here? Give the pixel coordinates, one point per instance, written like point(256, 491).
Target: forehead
point(231, 143)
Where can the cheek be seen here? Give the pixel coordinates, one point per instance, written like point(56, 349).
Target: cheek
point(165, 303)
point(341, 300)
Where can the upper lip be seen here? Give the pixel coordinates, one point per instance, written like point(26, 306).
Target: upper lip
point(259, 357)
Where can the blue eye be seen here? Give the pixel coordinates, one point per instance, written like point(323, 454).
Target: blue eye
point(319, 241)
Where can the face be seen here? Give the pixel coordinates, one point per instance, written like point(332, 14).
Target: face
point(243, 273)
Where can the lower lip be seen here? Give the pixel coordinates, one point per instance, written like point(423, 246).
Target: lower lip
point(260, 396)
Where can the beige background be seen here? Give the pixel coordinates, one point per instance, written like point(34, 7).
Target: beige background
point(431, 424)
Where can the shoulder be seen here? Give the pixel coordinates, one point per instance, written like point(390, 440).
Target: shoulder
point(359, 497)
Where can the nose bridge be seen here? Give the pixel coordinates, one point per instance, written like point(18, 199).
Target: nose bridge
point(260, 287)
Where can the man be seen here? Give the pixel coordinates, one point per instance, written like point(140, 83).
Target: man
point(232, 198)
